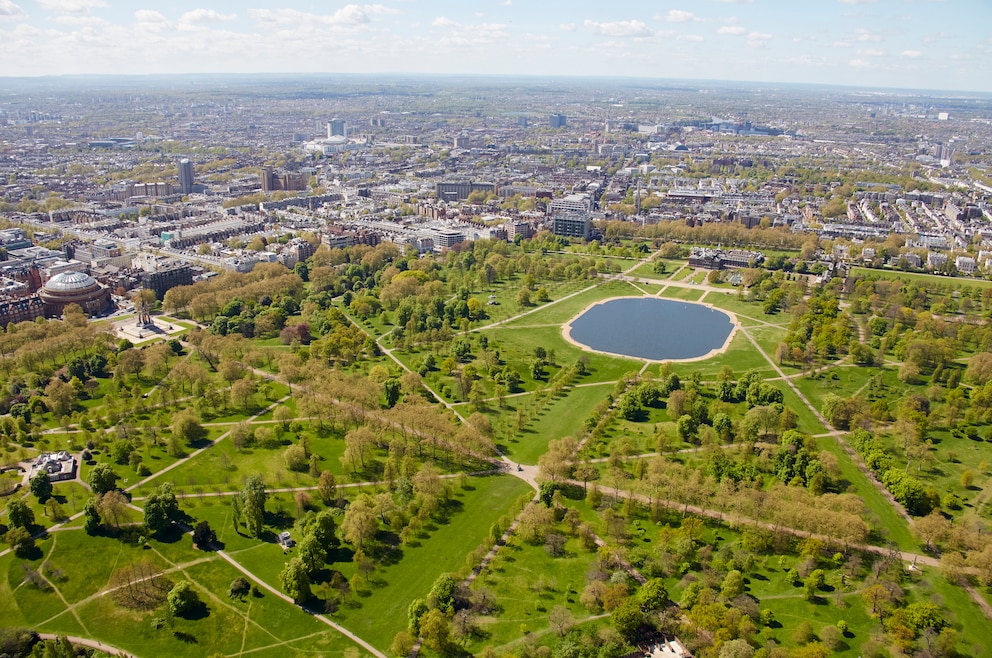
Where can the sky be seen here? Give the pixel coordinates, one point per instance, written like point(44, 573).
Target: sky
point(911, 44)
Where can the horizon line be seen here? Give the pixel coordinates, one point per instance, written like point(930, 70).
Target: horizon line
point(290, 75)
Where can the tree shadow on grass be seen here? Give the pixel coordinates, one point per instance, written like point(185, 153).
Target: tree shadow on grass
point(197, 612)
point(280, 519)
point(188, 638)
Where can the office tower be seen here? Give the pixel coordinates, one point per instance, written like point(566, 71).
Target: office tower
point(185, 176)
point(557, 120)
point(336, 127)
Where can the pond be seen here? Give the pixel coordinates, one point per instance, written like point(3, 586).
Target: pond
point(651, 328)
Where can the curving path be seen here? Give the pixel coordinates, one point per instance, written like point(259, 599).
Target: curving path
point(85, 642)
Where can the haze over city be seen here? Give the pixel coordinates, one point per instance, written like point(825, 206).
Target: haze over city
point(913, 44)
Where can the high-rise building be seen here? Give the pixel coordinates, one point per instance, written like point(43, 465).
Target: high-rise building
point(572, 225)
point(336, 127)
point(185, 176)
point(558, 120)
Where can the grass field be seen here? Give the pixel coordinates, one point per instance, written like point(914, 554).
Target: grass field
point(557, 420)
point(379, 612)
point(922, 278)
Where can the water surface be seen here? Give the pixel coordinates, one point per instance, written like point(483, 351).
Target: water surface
point(652, 328)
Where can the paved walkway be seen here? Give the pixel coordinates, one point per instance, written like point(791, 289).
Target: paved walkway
point(85, 642)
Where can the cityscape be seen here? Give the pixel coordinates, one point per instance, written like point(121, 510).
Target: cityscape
point(577, 334)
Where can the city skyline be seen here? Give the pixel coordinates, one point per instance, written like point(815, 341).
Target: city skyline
point(911, 44)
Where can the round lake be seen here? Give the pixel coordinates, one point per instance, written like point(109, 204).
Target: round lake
point(651, 328)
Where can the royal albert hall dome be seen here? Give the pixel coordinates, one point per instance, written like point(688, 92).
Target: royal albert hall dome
point(74, 288)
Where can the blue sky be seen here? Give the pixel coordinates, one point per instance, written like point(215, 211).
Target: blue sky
point(922, 44)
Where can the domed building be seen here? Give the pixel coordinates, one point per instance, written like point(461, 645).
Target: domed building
point(74, 288)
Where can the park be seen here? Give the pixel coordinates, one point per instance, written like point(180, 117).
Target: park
point(459, 477)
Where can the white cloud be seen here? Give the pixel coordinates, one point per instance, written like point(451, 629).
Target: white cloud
point(81, 20)
point(71, 6)
point(735, 2)
point(758, 39)
point(205, 16)
point(856, 2)
point(859, 63)
point(633, 28)
point(347, 16)
point(871, 52)
point(732, 30)
point(444, 21)
point(680, 16)
point(567, 27)
point(690, 37)
point(841, 44)
point(151, 20)
point(911, 53)
point(10, 11)
point(866, 35)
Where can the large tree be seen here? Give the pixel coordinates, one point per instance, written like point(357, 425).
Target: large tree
point(187, 428)
point(360, 522)
point(253, 505)
point(41, 486)
point(327, 488)
point(295, 581)
point(19, 514)
point(91, 517)
point(102, 479)
point(161, 509)
point(183, 599)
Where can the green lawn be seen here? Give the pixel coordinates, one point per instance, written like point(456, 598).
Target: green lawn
point(922, 278)
point(564, 311)
point(557, 420)
point(380, 612)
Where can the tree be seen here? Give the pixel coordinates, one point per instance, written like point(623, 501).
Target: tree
point(295, 581)
point(161, 509)
point(203, 535)
point(434, 629)
point(402, 644)
point(360, 522)
point(91, 517)
point(391, 390)
point(414, 613)
point(239, 588)
point(311, 553)
point(327, 488)
point(183, 599)
point(54, 511)
point(102, 479)
point(653, 595)
point(187, 428)
point(537, 370)
point(979, 371)
point(686, 427)
point(627, 619)
point(561, 619)
point(738, 648)
point(59, 397)
point(253, 505)
point(243, 392)
point(442, 594)
point(19, 514)
point(628, 406)
point(114, 509)
point(21, 541)
point(41, 486)
point(733, 585)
